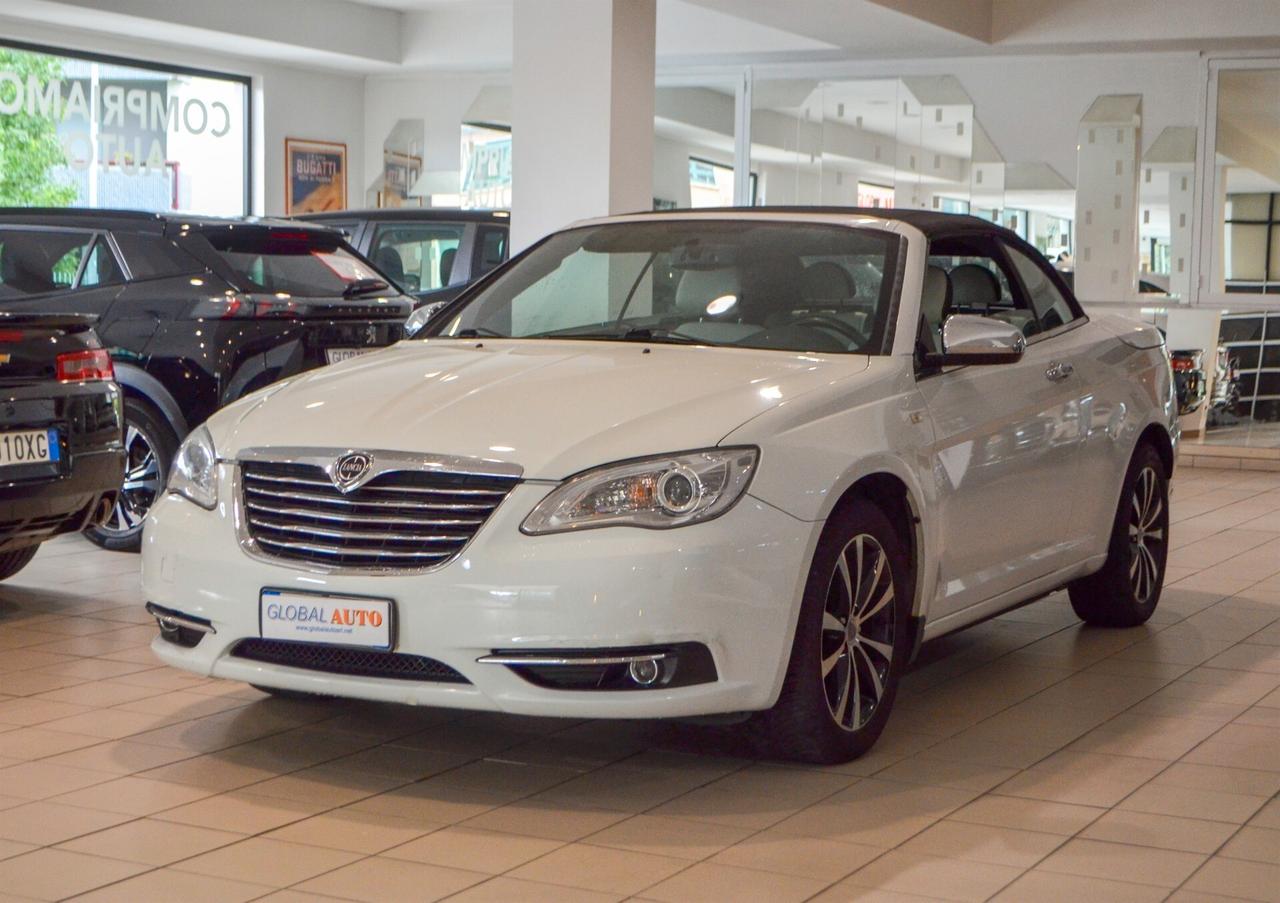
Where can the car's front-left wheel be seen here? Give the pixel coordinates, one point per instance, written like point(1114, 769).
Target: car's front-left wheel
point(149, 445)
point(851, 643)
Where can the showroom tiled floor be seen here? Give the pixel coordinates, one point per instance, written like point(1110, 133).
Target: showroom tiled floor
point(1028, 759)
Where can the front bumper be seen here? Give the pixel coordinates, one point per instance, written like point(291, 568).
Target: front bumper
point(732, 584)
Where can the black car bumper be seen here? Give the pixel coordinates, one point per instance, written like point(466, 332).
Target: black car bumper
point(38, 501)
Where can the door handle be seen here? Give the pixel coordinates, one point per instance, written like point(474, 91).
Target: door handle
point(1058, 371)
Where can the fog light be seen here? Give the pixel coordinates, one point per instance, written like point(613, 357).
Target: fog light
point(645, 672)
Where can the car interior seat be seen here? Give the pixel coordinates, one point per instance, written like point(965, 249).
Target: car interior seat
point(716, 322)
point(974, 288)
point(935, 306)
point(446, 264)
point(388, 261)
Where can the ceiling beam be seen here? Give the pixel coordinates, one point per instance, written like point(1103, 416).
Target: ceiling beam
point(971, 18)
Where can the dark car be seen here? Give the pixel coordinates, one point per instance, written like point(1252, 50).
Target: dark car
point(61, 438)
point(196, 313)
point(431, 252)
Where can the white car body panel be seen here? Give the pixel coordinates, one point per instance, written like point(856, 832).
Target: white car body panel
point(1011, 480)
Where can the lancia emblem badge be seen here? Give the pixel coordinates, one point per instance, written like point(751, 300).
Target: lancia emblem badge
point(350, 470)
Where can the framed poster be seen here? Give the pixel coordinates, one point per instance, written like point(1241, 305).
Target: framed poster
point(315, 176)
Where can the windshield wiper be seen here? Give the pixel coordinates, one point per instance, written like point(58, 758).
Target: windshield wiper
point(364, 287)
point(635, 334)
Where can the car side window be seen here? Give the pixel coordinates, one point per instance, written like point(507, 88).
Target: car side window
point(1051, 307)
point(978, 282)
point(36, 261)
point(417, 258)
point(491, 250)
point(101, 267)
point(151, 256)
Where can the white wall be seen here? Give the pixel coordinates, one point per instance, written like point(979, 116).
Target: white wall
point(287, 102)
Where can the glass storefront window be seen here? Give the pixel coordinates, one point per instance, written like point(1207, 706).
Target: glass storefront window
point(486, 167)
point(84, 131)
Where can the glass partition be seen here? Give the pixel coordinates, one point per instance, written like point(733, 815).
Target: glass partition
point(102, 132)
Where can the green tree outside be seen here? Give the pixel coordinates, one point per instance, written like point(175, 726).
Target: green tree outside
point(29, 145)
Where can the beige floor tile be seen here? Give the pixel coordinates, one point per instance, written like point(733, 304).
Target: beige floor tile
point(354, 830)
point(1169, 832)
point(1048, 887)
point(39, 780)
point(1216, 777)
point(29, 743)
point(920, 769)
point(1237, 878)
point(505, 890)
point(171, 885)
point(1122, 862)
point(1257, 844)
point(377, 879)
point(932, 876)
point(491, 852)
point(1236, 745)
point(151, 842)
point(755, 797)
point(876, 813)
point(240, 811)
point(1147, 736)
point(118, 757)
point(538, 819)
point(600, 868)
point(432, 803)
point(1214, 805)
point(1268, 816)
point(11, 848)
point(274, 862)
point(709, 882)
point(132, 796)
point(1027, 814)
point(1087, 779)
point(665, 836)
point(983, 843)
point(56, 874)
point(45, 822)
point(804, 857)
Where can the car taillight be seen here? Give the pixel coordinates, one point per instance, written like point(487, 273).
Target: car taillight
point(1183, 363)
point(81, 366)
point(11, 335)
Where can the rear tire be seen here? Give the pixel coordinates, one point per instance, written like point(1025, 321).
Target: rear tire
point(16, 560)
point(150, 444)
point(851, 643)
point(1127, 589)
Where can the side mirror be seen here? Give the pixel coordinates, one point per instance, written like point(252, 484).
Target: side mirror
point(969, 339)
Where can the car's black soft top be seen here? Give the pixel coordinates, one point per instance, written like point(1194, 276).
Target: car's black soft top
point(410, 214)
point(139, 221)
point(930, 222)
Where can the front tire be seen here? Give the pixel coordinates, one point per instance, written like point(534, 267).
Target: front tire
point(851, 644)
point(16, 560)
point(1127, 589)
point(150, 445)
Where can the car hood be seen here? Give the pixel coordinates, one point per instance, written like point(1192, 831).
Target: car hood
point(552, 407)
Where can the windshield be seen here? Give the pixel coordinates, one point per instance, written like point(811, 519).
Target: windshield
point(785, 286)
point(298, 264)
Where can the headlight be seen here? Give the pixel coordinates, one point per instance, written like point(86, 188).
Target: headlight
point(661, 492)
point(421, 316)
point(194, 474)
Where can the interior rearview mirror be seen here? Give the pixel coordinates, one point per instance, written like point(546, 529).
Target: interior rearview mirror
point(969, 339)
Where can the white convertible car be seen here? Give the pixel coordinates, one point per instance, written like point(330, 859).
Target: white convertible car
point(681, 465)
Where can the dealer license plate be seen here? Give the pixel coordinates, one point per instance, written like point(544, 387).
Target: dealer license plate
point(337, 355)
point(28, 447)
point(319, 618)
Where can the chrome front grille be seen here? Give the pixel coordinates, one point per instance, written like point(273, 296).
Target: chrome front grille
point(399, 519)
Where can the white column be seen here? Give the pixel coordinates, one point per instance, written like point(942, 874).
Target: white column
point(582, 112)
point(1110, 143)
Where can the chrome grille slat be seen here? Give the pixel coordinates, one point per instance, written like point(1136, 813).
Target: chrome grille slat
point(400, 520)
point(264, 524)
point(326, 484)
point(321, 549)
point(344, 517)
point(370, 503)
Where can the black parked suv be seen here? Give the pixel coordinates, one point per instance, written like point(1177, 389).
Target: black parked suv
point(431, 252)
point(197, 312)
point(61, 450)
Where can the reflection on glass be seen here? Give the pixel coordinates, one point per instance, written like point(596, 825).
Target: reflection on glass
point(1248, 181)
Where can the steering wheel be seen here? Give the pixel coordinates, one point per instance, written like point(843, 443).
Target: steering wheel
point(834, 324)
